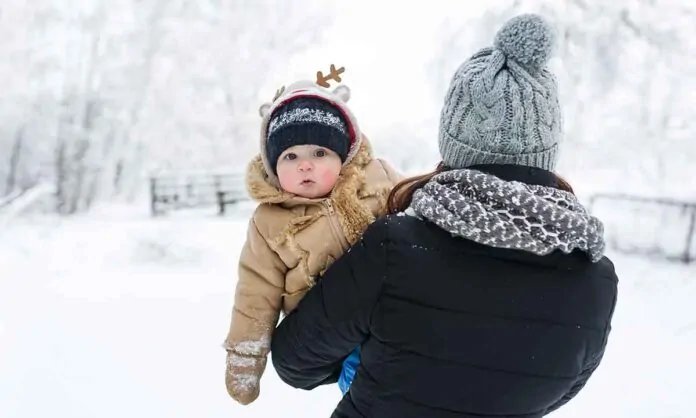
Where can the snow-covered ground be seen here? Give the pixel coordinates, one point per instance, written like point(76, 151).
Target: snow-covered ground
point(116, 314)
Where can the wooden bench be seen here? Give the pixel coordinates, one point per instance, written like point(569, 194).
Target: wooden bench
point(174, 191)
point(660, 227)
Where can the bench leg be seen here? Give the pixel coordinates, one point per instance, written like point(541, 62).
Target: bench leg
point(221, 203)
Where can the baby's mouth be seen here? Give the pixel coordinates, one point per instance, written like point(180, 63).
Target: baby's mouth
point(306, 182)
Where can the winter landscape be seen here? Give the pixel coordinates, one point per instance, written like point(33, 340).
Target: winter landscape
point(107, 311)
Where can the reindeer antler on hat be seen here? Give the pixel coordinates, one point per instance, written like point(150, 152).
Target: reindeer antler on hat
point(334, 74)
point(342, 91)
point(322, 80)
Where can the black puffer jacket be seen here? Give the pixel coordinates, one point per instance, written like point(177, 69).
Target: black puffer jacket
point(450, 327)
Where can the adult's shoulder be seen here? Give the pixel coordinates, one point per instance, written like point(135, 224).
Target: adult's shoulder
point(398, 227)
point(606, 269)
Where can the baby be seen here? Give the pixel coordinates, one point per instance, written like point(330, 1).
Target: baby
point(318, 188)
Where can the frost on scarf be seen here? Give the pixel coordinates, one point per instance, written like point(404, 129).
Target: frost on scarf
point(508, 214)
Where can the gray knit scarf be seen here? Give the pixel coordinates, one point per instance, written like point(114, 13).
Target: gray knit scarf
point(508, 214)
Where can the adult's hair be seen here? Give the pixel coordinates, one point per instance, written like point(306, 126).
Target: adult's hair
point(401, 195)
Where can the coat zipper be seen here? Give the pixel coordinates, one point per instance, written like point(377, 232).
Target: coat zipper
point(341, 237)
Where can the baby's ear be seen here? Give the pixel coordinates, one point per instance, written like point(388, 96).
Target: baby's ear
point(263, 110)
point(343, 92)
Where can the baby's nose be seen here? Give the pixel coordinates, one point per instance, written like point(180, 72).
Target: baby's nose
point(304, 166)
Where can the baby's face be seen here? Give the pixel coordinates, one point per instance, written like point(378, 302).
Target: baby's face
point(309, 171)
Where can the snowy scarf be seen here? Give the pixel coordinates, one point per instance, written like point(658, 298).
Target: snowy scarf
point(508, 214)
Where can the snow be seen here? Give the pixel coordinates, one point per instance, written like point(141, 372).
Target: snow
point(113, 313)
point(251, 348)
point(117, 314)
point(649, 226)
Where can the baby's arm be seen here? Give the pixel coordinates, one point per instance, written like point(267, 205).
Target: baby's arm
point(257, 306)
point(393, 175)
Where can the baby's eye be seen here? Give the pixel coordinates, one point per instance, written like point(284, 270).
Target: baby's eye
point(320, 153)
point(290, 156)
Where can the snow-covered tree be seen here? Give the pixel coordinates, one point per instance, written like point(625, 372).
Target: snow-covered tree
point(626, 74)
point(101, 91)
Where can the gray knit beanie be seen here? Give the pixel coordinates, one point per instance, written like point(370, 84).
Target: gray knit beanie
point(502, 105)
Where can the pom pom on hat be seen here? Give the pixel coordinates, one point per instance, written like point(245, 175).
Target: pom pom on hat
point(527, 39)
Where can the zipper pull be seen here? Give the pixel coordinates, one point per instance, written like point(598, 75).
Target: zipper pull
point(329, 205)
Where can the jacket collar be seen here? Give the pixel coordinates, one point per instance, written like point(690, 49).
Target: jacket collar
point(524, 174)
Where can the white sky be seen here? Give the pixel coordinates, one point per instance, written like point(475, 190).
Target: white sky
point(385, 51)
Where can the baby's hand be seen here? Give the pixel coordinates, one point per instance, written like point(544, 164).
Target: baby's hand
point(243, 376)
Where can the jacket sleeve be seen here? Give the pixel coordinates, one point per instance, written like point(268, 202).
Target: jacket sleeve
point(257, 306)
point(579, 383)
point(334, 316)
point(589, 368)
point(393, 175)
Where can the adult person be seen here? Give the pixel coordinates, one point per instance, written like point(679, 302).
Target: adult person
point(487, 293)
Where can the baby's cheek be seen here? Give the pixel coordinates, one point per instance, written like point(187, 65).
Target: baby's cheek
point(328, 178)
point(288, 180)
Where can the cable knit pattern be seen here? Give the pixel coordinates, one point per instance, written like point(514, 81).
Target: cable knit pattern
point(509, 214)
point(502, 105)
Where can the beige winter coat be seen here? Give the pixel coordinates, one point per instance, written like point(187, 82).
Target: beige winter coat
point(290, 241)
